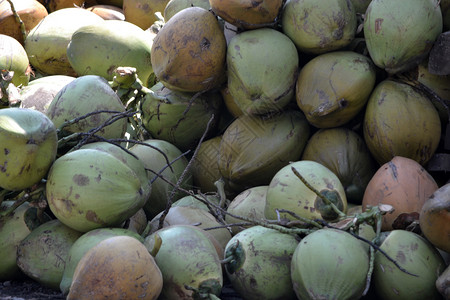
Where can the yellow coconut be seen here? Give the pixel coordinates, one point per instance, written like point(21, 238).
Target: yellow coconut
point(31, 12)
point(119, 267)
point(142, 12)
point(247, 14)
point(189, 52)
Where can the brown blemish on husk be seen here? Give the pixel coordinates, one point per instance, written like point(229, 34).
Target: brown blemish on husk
point(378, 23)
point(92, 216)
point(80, 179)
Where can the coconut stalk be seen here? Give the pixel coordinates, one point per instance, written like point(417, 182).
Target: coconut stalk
point(18, 19)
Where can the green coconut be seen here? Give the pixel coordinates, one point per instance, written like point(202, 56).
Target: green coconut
point(42, 255)
point(333, 88)
point(93, 188)
point(250, 204)
point(254, 256)
point(174, 6)
point(14, 228)
point(400, 36)
point(345, 153)
point(29, 145)
point(330, 264)
point(317, 28)
point(261, 80)
point(187, 259)
point(180, 118)
point(415, 255)
point(254, 148)
point(99, 48)
point(14, 58)
point(401, 121)
point(84, 95)
point(186, 215)
point(287, 191)
point(40, 92)
point(82, 245)
point(46, 44)
point(153, 157)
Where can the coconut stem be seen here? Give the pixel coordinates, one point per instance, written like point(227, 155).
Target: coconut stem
point(19, 20)
point(183, 175)
point(370, 271)
point(220, 185)
point(304, 220)
point(24, 197)
point(325, 199)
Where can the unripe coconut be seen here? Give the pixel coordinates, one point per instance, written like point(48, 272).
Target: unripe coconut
point(46, 44)
point(315, 28)
point(345, 153)
point(250, 204)
point(399, 36)
point(15, 59)
point(40, 92)
point(185, 215)
point(248, 14)
point(84, 95)
point(174, 6)
point(108, 12)
point(99, 48)
point(261, 80)
point(153, 157)
point(287, 191)
point(415, 255)
point(189, 52)
point(180, 118)
point(254, 148)
point(43, 253)
point(14, 228)
point(330, 264)
point(400, 121)
point(118, 267)
point(142, 12)
point(402, 183)
point(82, 245)
point(105, 189)
point(332, 88)
point(187, 259)
point(435, 218)
point(53, 5)
point(254, 256)
point(31, 12)
point(29, 145)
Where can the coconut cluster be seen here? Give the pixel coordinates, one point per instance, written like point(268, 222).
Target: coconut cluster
point(161, 149)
